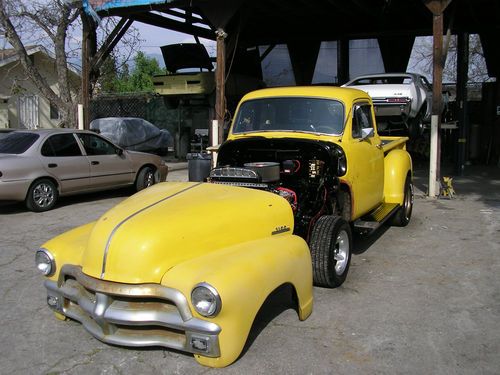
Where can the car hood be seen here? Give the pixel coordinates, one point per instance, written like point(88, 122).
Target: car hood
point(148, 234)
point(185, 56)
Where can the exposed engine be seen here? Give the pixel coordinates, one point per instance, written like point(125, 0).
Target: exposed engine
point(303, 172)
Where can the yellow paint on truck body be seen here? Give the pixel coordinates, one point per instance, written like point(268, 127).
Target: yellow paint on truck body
point(238, 240)
point(371, 177)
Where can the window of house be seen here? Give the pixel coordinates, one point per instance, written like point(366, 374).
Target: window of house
point(54, 112)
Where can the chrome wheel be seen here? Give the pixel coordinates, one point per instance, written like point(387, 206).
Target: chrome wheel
point(43, 195)
point(149, 179)
point(341, 252)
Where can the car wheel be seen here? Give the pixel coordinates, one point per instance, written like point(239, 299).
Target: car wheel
point(42, 195)
point(403, 215)
point(330, 246)
point(145, 178)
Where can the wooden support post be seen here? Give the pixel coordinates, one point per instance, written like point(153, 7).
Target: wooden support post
point(437, 8)
point(86, 36)
point(342, 61)
point(220, 82)
point(462, 78)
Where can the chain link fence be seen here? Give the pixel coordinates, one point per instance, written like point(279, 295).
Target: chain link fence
point(181, 121)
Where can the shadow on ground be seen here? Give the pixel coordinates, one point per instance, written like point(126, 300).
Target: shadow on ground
point(480, 183)
point(11, 208)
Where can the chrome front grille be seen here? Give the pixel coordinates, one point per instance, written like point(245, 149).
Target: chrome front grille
point(131, 315)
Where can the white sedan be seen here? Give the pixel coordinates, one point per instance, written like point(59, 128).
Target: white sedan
point(398, 98)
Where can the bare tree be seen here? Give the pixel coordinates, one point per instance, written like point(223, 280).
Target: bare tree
point(422, 59)
point(55, 25)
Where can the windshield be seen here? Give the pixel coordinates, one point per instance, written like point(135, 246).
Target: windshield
point(382, 80)
point(17, 142)
point(291, 114)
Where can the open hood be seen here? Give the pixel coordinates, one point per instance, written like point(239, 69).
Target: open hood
point(186, 56)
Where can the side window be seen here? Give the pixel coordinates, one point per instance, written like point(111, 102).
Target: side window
point(95, 145)
point(61, 145)
point(362, 122)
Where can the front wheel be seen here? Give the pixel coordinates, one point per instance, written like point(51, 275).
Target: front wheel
point(403, 215)
point(145, 178)
point(42, 195)
point(330, 246)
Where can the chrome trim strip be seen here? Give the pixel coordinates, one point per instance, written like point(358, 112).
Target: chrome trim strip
point(108, 243)
point(127, 290)
point(111, 312)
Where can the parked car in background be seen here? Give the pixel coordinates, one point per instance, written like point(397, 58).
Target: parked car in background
point(38, 166)
point(398, 99)
point(132, 133)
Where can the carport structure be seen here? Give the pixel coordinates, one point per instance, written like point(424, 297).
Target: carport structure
point(239, 26)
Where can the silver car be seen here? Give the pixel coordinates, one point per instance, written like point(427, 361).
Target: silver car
point(38, 166)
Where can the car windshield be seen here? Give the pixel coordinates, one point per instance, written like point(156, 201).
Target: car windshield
point(291, 114)
point(382, 80)
point(17, 142)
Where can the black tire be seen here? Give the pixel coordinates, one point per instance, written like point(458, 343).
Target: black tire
point(145, 178)
point(42, 195)
point(330, 246)
point(403, 215)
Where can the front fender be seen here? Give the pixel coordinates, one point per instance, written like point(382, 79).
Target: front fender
point(397, 165)
point(244, 276)
point(68, 248)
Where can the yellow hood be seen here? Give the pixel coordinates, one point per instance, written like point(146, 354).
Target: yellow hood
point(143, 237)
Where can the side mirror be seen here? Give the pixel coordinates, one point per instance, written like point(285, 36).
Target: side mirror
point(366, 132)
point(119, 151)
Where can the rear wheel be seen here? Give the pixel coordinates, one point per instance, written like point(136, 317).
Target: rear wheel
point(330, 246)
point(42, 195)
point(145, 178)
point(403, 215)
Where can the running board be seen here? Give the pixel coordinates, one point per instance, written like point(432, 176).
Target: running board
point(376, 218)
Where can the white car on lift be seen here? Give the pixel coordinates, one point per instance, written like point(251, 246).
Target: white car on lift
point(398, 98)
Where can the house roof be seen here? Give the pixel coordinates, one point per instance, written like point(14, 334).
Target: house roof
point(9, 55)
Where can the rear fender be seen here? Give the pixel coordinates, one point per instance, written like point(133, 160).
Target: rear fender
point(244, 276)
point(397, 165)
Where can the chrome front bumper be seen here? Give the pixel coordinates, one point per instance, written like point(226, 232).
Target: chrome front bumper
point(131, 315)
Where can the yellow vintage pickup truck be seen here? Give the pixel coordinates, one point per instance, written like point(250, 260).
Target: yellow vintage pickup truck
point(187, 266)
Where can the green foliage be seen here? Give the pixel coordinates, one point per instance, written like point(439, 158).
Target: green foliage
point(122, 80)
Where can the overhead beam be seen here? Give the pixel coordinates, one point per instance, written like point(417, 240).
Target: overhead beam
point(168, 23)
point(111, 41)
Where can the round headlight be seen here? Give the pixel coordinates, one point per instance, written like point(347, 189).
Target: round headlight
point(45, 262)
point(206, 300)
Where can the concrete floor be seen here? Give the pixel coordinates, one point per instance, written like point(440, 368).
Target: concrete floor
point(424, 299)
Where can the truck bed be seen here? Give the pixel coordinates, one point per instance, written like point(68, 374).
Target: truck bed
point(390, 143)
